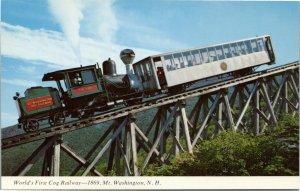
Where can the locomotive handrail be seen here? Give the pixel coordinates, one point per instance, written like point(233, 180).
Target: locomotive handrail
point(110, 115)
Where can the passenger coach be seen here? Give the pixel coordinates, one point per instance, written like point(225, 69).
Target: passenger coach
point(165, 71)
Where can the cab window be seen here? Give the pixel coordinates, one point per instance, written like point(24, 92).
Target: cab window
point(63, 85)
point(88, 76)
point(80, 78)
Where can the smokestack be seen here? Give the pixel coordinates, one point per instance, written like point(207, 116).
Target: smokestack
point(127, 56)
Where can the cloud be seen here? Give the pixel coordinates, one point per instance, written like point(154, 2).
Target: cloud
point(19, 82)
point(38, 45)
point(153, 38)
point(68, 13)
point(100, 20)
point(50, 47)
point(27, 69)
point(97, 17)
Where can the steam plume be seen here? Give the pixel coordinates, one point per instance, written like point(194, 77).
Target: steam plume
point(69, 14)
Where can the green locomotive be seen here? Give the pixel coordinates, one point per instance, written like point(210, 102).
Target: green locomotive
point(80, 92)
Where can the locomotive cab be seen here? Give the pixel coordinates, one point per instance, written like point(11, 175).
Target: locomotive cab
point(79, 86)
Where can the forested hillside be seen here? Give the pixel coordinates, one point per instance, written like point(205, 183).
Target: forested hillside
point(276, 152)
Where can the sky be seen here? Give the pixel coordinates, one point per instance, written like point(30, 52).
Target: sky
point(44, 36)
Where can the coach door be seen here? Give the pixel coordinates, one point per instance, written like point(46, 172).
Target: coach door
point(144, 70)
point(160, 72)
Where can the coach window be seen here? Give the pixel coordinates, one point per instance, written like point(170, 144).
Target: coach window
point(140, 66)
point(196, 59)
point(248, 46)
point(187, 58)
point(227, 52)
point(204, 55)
point(234, 50)
point(212, 54)
point(148, 70)
point(137, 70)
point(178, 60)
point(157, 62)
point(254, 45)
point(260, 44)
point(220, 53)
point(241, 48)
point(168, 62)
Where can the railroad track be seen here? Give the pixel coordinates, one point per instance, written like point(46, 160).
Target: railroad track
point(125, 111)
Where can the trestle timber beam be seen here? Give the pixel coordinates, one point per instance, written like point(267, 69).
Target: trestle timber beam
point(185, 126)
point(129, 145)
point(45, 147)
point(78, 158)
point(106, 146)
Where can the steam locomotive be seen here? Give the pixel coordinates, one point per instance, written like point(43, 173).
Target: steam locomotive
point(84, 90)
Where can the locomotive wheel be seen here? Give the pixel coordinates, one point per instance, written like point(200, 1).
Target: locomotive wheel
point(56, 119)
point(31, 126)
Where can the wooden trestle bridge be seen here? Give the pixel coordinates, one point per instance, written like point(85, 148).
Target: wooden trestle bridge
point(250, 103)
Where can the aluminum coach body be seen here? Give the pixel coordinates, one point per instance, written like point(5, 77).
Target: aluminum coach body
point(173, 69)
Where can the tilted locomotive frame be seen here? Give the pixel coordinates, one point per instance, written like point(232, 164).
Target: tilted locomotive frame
point(84, 90)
